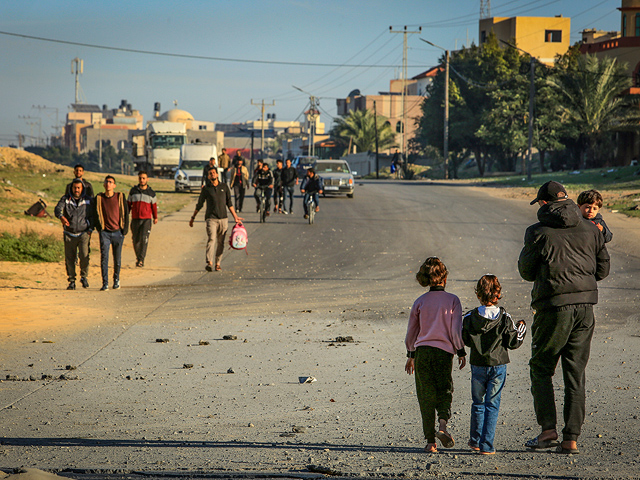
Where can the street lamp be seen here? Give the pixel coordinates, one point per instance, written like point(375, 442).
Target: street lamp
point(532, 94)
point(445, 149)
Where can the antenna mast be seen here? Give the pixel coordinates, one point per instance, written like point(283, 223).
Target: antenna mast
point(485, 9)
point(77, 68)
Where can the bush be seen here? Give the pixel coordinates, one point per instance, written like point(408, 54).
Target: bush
point(30, 247)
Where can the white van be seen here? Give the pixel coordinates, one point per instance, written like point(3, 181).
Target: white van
point(193, 158)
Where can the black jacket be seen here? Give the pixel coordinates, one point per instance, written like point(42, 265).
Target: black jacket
point(87, 189)
point(564, 255)
point(79, 213)
point(289, 176)
point(277, 177)
point(262, 179)
point(489, 340)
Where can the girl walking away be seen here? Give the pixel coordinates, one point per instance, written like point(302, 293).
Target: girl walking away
point(434, 335)
point(489, 332)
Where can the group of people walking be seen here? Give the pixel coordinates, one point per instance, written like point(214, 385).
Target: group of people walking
point(564, 255)
point(110, 214)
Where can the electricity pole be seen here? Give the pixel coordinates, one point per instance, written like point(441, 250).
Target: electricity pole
point(445, 143)
point(375, 126)
point(262, 123)
point(314, 113)
point(77, 68)
point(404, 83)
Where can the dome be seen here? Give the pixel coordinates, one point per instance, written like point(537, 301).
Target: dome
point(177, 115)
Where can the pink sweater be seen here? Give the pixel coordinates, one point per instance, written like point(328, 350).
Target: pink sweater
point(436, 321)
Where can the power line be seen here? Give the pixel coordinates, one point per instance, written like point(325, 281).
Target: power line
point(195, 57)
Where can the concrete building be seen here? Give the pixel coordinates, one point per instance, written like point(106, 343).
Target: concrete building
point(542, 37)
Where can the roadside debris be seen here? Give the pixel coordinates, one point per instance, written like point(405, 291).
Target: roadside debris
point(162, 340)
point(230, 337)
point(345, 339)
point(307, 379)
point(230, 370)
point(187, 365)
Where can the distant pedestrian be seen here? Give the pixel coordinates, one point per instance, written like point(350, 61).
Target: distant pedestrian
point(212, 165)
point(112, 221)
point(144, 211)
point(218, 198)
point(489, 332)
point(75, 212)
point(78, 173)
point(289, 182)
point(278, 189)
point(239, 183)
point(564, 255)
point(224, 162)
point(434, 335)
point(590, 203)
point(237, 157)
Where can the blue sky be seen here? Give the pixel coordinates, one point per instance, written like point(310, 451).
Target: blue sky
point(352, 34)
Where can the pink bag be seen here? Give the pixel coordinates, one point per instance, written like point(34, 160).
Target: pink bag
point(238, 238)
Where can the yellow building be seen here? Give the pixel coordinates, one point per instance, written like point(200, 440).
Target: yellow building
point(542, 37)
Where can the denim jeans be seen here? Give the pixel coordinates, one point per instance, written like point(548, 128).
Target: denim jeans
point(486, 389)
point(316, 198)
point(288, 192)
point(114, 239)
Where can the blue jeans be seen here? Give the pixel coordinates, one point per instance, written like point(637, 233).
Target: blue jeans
point(115, 240)
point(486, 389)
point(288, 192)
point(316, 198)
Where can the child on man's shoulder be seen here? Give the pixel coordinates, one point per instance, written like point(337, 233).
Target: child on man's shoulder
point(590, 203)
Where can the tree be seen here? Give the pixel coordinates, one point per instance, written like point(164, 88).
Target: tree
point(593, 100)
point(358, 128)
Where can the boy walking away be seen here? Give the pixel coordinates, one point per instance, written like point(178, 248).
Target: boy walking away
point(434, 335)
point(489, 332)
point(75, 213)
point(144, 211)
point(590, 203)
point(112, 221)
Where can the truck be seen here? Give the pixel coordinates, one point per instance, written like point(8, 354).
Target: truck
point(158, 150)
point(193, 158)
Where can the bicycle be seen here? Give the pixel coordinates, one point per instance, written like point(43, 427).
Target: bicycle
point(311, 208)
point(262, 211)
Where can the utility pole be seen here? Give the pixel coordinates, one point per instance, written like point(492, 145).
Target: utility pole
point(314, 113)
point(262, 122)
point(445, 143)
point(77, 68)
point(375, 126)
point(404, 83)
point(33, 122)
point(40, 108)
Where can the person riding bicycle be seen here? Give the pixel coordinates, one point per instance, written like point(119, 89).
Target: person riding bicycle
point(263, 182)
point(312, 184)
point(278, 188)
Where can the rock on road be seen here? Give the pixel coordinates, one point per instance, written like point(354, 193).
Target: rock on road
point(155, 387)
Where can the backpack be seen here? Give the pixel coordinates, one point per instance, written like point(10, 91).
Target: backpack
point(238, 238)
point(38, 209)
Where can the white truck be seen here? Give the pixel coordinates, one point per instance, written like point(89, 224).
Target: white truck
point(158, 150)
point(193, 158)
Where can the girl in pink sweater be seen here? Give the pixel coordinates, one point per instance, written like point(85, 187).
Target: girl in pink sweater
point(434, 335)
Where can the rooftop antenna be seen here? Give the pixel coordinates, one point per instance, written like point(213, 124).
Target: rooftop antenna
point(77, 68)
point(175, 103)
point(485, 9)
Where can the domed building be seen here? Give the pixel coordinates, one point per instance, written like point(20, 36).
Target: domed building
point(177, 115)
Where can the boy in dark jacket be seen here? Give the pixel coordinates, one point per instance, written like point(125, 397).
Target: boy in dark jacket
point(590, 203)
point(489, 332)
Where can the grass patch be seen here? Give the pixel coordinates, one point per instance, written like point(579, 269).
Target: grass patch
point(30, 247)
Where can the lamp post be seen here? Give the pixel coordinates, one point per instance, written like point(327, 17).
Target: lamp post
point(445, 148)
point(532, 94)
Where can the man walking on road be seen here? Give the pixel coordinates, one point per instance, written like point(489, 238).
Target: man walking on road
point(289, 182)
point(212, 165)
point(75, 212)
point(144, 211)
point(112, 221)
point(78, 172)
point(564, 255)
point(223, 163)
point(239, 183)
point(218, 198)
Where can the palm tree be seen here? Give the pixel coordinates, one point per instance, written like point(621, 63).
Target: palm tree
point(358, 128)
point(594, 105)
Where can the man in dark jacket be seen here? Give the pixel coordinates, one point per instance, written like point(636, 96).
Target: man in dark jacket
point(564, 255)
point(75, 212)
point(289, 181)
point(78, 172)
point(312, 184)
point(263, 182)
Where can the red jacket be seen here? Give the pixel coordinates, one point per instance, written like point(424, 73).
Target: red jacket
point(142, 203)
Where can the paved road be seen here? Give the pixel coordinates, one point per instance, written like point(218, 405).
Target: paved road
point(134, 406)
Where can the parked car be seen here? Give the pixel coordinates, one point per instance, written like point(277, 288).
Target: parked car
point(301, 163)
point(336, 175)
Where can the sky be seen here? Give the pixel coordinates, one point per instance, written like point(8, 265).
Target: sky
point(217, 57)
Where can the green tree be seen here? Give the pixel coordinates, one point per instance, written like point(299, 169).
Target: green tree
point(358, 128)
point(593, 100)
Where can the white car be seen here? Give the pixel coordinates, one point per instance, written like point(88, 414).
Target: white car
point(336, 175)
point(189, 175)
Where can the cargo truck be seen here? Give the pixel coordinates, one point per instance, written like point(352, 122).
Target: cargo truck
point(158, 150)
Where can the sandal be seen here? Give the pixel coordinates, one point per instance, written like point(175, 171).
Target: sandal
point(218, 268)
point(567, 451)
point(473, 447)
point(431, 448)
point(537, 444)
point(445, 438)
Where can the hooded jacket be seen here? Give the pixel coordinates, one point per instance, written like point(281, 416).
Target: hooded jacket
point(78, 212)
point(490, 339)
point(598, 220)
point(564, 255)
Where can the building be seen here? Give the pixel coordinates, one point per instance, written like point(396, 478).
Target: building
point(624, 46)
point(390, 105)
point(541, 37)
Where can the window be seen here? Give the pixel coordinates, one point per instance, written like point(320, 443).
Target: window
point(399, 127)
point(637, 24)
point(624, 25)
point(483, 36)
point(553, 36)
